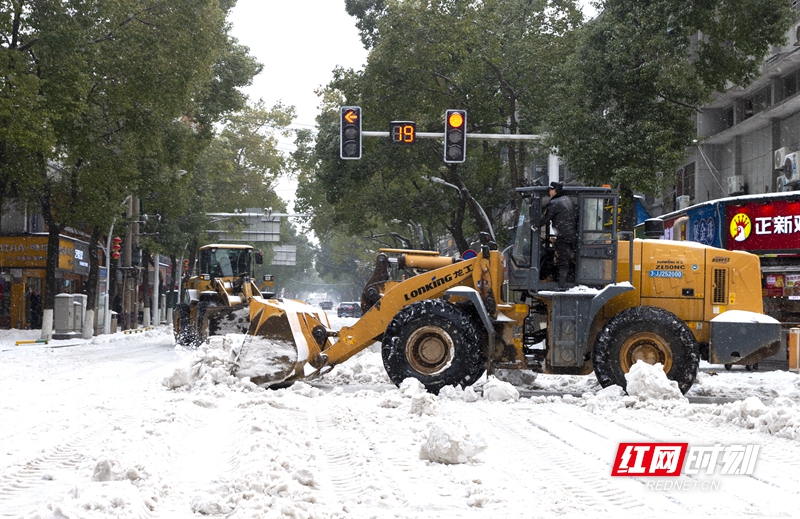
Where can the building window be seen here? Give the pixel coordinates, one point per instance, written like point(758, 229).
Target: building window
point(729, 117)
point(684, 183)
point(756, 103)
point(790, 85)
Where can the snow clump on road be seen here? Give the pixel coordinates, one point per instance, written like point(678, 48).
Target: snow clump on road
point(649, 382)
point(449, 445)
point(499, 391)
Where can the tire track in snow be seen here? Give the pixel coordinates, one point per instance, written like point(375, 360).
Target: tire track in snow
point(203, 447)
point(375, 473)
point(26, 486)
point(353, 468)
point(557, 445)
point(775, 473)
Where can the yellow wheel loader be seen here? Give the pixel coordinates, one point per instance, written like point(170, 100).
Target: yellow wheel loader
point(218, 296)
point(626, 300)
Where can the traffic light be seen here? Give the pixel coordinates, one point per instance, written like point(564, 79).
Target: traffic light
point(115, 247)
point(455, 136)
point(350, 133)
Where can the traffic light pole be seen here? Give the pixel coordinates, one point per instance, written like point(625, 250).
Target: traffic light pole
point(479, 136)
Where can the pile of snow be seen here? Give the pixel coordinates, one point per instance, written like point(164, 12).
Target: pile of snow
point(649, 382)
point(366, 367)
point(466, 394)
point(257, 357)
point(451, 445)
point(499, 391)
point(781, 418)
point(209, 365)
point(233, 360)
point(517, 377)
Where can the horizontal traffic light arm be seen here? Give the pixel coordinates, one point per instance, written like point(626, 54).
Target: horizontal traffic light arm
point(480, 136)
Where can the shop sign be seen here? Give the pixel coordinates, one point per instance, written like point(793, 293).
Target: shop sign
point(763, 227)
point(80, 265)
point(23, 251)
point(701, 226)
point(31, 251)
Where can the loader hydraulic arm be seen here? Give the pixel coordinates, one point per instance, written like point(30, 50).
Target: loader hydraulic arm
point(428, 285)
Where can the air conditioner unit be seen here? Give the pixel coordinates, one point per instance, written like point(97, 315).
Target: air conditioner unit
point(683, 201)
point(780, 184)
point(735, 184)
point(780, 155)
point(790, 167)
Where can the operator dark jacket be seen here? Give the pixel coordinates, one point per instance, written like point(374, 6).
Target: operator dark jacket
point(561, 213)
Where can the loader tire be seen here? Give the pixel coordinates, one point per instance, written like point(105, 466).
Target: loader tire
point(201, 326)
point(434, 342)
point(184, 332)
point(651, 334)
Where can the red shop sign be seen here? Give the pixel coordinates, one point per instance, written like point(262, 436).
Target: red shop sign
point(773, 226)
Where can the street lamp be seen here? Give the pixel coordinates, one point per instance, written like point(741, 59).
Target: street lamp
point(464, 192)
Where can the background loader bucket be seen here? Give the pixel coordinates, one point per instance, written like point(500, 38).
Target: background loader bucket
point(279, 341)
point(222, 320)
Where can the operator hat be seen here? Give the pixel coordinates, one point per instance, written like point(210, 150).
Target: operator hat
point(557, 186)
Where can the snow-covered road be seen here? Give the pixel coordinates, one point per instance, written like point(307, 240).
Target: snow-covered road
point(92, 431)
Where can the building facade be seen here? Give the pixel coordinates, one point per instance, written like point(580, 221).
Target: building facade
point(748, 139)
point(740, 185)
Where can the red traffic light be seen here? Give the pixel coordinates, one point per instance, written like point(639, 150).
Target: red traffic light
point(455, 136)
point(455, 120)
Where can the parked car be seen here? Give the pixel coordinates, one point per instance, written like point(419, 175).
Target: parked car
point(326, 305)
point(348, 309)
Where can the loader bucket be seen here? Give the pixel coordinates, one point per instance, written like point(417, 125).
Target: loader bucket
point(222, 320)
point(279, 343)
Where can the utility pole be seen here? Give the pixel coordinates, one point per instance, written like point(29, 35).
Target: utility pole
point(127, 252)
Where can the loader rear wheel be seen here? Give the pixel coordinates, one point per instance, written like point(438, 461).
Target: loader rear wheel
point(650, 334)
point(435, 342)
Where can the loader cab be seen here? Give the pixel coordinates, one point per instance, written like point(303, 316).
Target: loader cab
point(532, 255)
point(225, 260)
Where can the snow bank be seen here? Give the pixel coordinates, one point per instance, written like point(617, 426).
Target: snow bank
point(781, 418)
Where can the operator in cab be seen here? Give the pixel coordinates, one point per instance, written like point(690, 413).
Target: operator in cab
point(560, 212)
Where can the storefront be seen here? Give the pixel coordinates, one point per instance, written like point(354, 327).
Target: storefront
point(771, 229)
point(23, 260)
point(767, 225)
